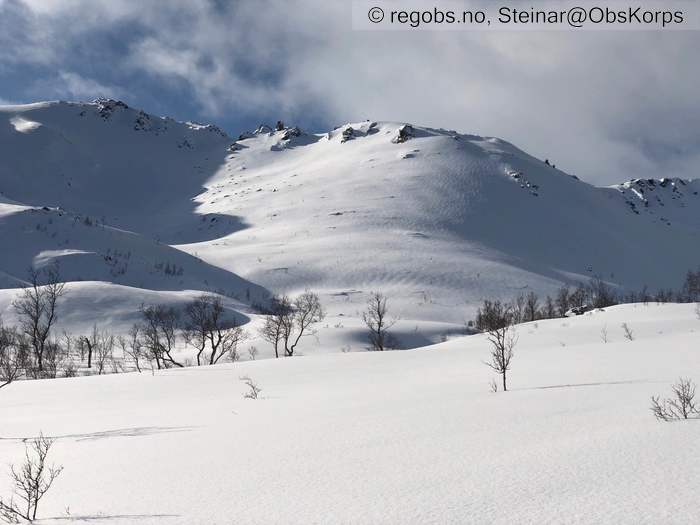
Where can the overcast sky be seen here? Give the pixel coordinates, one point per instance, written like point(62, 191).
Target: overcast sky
point(607, 106)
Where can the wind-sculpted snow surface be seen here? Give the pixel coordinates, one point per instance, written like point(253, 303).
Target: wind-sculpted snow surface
point(383, 437)
point(113, 163)
point(435, 219)
point(100, 189)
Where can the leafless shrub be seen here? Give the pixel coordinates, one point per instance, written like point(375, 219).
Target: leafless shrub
point(697, 310)
point(253, 389)
point(32, 480)
point(629, 334)
point(680, 406)
point(376, 317)
point(70, 369)
point(493, 385)
point(604, 334)
point(252, 352)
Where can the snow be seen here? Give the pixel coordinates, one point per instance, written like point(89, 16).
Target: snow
point(139, 209)
point(438, 221)
point(394, 437)
point(24, 126)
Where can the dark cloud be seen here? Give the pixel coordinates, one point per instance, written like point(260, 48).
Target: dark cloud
point(606, 106)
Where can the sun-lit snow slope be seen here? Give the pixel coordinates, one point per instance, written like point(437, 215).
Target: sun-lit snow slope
point(372, 438)
point(437, 220)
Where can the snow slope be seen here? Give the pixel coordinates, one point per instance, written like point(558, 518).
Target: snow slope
point(439, 221)
point(395, 437)
point(436, 219)
point(100, 188)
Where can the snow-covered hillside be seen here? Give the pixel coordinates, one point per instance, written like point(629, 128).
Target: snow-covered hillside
point(141, 210)
point(372, 438)
point(436, 219)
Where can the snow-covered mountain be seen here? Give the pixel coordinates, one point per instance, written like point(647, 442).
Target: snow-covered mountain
point(436, 219)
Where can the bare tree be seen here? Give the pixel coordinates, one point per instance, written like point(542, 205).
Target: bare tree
point(531, 306)
point(503, 339)
point(10, 356)
point(132, 346)
point(274, 328)
point(518, 309)
point(86, 346)
point(680, 406)
point(604, 333)
point(68, 366)
point(296, 320)
point(549, 310)
point(578, 297)
point(160, 333)
point(36, 308)
point(562, 301)
point(104, 356)
point(602, 294)
point(31, 481)
point(376, 317)
point(99, 349)
point(207, 326)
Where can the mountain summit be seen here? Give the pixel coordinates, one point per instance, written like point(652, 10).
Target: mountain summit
point(437, 219)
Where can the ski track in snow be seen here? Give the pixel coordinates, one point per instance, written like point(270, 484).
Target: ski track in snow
point(393, 437)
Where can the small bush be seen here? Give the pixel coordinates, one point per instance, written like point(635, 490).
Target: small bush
point(681, 405)
point(253, 389)
point(32, 480)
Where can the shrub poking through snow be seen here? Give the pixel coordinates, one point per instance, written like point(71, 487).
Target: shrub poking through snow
point(681, 405)
point(32, 480)
point(253, 389)
point(629, 334)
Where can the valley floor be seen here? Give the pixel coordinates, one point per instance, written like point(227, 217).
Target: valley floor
point(397, 437)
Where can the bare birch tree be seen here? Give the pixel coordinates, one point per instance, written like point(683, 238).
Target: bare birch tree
point(37, 310)
point(376, 317)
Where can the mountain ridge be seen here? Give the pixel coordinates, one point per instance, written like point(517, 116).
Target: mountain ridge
point(437, 219)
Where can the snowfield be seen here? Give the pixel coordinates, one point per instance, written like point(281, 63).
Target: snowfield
point(437, 220)
point(395, 437)
point(141, 210)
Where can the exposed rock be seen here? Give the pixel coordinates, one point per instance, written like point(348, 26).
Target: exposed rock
point(348, 134)
point(405, 133)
